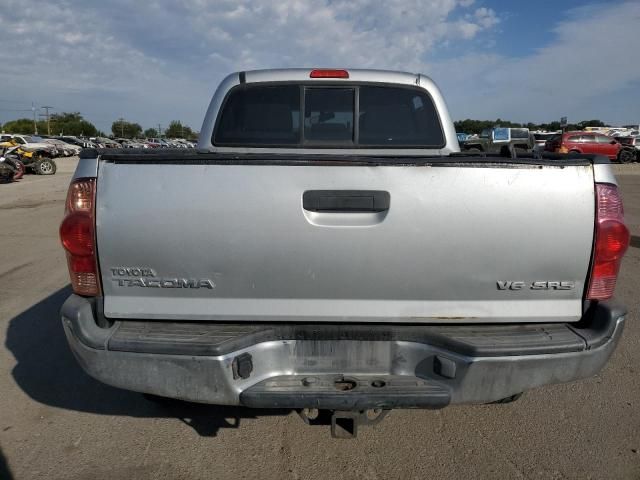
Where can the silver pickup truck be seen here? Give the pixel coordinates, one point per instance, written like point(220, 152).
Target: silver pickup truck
point(328, 247)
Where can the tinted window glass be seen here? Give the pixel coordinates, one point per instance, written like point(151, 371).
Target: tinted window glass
point(271, 115)
point(604, 139)
point(328, 115)
point(588, 138)
point(260, 115)
point(544, 136)
point(519, 133)
point(398, 116)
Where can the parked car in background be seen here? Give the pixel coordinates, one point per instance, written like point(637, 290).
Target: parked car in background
point(158, 143)
point(541, 138)
point(11, 167)
point(34, 155)
point(462, 136)
point(618, 132)
point(73, 140)
point(177, 143)
point(500, 140)
point(106, 142)
point(64, 148)
point(631, 142)
point(182, 143)
point(32, 143)
point(129, 143)
point(591, 143)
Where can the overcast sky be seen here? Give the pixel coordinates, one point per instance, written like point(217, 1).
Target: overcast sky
point(151, 62)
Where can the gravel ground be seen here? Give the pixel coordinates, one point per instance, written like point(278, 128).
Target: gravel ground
point(57, 423)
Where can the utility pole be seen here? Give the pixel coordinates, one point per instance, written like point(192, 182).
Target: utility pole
point(46, 109)
point(159, 131)
point(35, 125)
point(181, 130)
point(121, 120)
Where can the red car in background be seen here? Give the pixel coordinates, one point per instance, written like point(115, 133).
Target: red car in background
point(631, 142)
point(589, 142)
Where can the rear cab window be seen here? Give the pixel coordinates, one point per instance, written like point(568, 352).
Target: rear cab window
point(398, 117)
point(326, 115)
point(266, 115)
point(329, 115)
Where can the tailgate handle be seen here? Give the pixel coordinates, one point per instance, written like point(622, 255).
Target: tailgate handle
point(352, 201)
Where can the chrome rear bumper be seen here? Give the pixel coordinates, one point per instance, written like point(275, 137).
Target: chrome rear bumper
point(306, 366)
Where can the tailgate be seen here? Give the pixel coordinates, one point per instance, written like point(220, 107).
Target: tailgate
point(420, 244)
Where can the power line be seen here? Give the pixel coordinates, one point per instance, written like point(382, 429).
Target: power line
point(46, 109)
point(35, 124)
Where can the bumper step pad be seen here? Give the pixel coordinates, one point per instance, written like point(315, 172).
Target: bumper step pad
point(337, 392)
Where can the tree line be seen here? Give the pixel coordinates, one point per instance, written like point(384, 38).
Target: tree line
point(59, 124)
point(476, 126)
point(72, 123)
point(124, 129)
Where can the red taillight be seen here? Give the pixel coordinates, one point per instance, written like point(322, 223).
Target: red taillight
point(612, 240)
point(329, 73)
point(78, 237)
point(76, 233)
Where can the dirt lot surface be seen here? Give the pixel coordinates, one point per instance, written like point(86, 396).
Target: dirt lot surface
point(57, 423)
